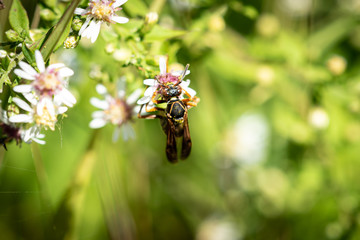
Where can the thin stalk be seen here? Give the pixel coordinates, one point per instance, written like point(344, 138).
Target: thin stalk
point(157, 6)
point(64, 223)
point(41, 176)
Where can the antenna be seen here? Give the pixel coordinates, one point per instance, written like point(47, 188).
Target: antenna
point(183, 74)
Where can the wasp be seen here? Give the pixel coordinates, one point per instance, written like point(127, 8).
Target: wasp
point(174, 116)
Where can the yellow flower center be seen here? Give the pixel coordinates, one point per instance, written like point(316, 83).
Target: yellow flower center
point(102, 11)
point(116, 112)
point(48, 82)
point(46, 119)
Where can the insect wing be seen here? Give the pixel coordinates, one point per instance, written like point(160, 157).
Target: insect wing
point(171, 151)
point(186, 141)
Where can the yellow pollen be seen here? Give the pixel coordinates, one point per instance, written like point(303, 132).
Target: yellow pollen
point(116, 113)
point(46, 119)
point(48, 81)
point(102, 11)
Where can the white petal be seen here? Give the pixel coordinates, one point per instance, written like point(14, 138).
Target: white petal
point(62, 110)
point(115, 135)
point(143, 100)
point(39, 61)
point(50, 106)
point(55, 66)
point(21, 118)
point(134, 96)
point(95, 31)
point(150, 82)
point(128, 132)
point(191, 91)
point(40, 108)
point(67, 97)
point(27, 68)
point(84, 26)
point(119, 19)
point(179, 73)
point(136, 109)
point(162, 65)
point(39, 141)
point(97, 123)
point(31, 98)
point(150, 91)
point(102, 104)
point(118, 3)
point(98, 114)
point(101, 89)
point(23, 74)
point(185, 84)
point(79, 11)
point(66, 72)
point(22, 104)
point(23, 88)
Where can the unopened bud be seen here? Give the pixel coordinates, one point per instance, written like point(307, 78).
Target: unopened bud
point(319, 118)
point(70, 42)
point(268, 25)
point(76, 24)
point(3, 53)
point(122, 54)
point(13, 36)
point(47, 14)
point(216, 23)
point(336, 65)
point(151, 18)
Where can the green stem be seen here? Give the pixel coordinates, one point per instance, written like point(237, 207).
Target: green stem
point(59, 31)
point(41, 176)
point(64, 222)
point(157, 6)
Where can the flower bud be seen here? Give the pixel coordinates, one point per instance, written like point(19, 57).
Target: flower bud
point(13, 36)
point(216, 23)
point(76, 24)
point(3, 53)
point(336, 65)
point(70, 42)
point(151, 18)
point(47, 14)
point(319, 118)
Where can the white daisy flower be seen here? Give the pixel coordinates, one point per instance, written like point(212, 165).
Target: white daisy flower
point(43, 112)
point(48, 82)
point(165, 78)
point(12, 132)
point(117, 110)
point(32, 134)
point(99, 11)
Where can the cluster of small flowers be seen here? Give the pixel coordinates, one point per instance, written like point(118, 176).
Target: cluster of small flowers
point(44, 97)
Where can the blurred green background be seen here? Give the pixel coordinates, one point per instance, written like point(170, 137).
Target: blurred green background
point(276, 135)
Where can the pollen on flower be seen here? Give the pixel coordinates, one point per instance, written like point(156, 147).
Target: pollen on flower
point(46, 119)
point(117, 112)
point(167, 78)
point(70, 42)
point(102, 11)
point(47, 82)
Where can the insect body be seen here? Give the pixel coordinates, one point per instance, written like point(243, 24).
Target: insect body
point(176, 127)
point(170, 90)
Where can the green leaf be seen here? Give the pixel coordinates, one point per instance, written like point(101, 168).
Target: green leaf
point(28, 54)
point(135, 8)
point(18, 18)
point(160, 34)
point(59, 32)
